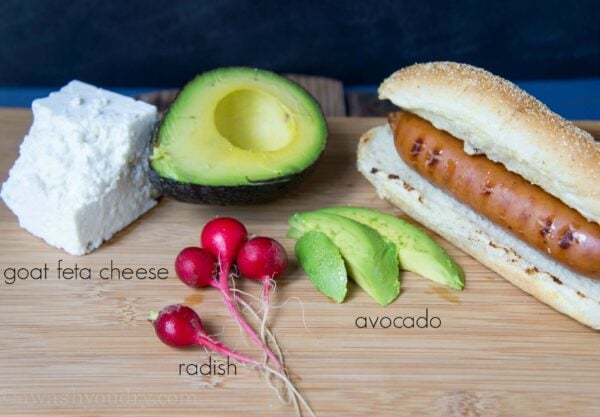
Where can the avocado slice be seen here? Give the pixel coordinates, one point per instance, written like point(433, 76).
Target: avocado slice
point(370, 261)
point(417, 252)
point(236, 135)
point(322, 262)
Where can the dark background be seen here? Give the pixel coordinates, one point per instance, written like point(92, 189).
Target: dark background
point(164, 43)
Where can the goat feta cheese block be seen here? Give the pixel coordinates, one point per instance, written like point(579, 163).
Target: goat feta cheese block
point(82, 171)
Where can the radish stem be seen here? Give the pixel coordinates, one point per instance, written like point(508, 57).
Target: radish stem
point(153, 315)
point(218, 347)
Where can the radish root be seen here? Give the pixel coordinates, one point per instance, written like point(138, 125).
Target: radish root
point(267, 340)
point(296, 398)
point(228, 297)
point(290, 393)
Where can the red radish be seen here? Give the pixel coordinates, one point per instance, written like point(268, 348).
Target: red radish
point(196, 267)
point(223, 237)
point(180, 326)
point(262, 259)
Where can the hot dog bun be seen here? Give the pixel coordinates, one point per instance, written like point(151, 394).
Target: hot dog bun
point(508, 125)
point(568, 292)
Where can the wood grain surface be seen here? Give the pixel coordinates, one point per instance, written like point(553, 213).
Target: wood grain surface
point(85, 348)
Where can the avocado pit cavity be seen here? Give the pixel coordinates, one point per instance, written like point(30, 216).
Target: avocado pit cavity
point(254, 121)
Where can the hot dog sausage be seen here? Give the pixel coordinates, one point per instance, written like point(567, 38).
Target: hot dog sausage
point(503, 197)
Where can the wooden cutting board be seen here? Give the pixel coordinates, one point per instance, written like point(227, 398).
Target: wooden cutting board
point(84, 347)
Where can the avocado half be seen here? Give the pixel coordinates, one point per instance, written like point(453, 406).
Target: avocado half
point(236, 136)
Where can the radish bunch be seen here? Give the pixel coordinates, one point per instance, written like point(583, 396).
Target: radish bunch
point(225, 243)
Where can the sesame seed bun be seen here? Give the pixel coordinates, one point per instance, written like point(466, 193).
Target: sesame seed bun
point(494, 116)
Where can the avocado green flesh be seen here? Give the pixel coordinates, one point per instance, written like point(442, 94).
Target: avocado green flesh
point(238, 126)
point(322, 262)
point(417, 252)
point(371, 262)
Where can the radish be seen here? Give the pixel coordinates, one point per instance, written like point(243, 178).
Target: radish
point(223, 237)
point(180, 326)
point(196, 267)
point(262, 259)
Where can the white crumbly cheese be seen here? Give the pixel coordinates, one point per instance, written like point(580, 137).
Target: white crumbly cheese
point(81, 174)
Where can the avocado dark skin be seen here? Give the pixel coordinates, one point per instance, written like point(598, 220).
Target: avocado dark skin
point(234, 195)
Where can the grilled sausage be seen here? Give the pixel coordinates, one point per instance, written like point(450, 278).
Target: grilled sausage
point(503, 197)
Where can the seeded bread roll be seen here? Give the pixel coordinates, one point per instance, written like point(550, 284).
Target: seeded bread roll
point(550, 282)
point(495, 117)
